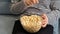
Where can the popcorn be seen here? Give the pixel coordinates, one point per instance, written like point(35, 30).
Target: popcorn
point(31, 23)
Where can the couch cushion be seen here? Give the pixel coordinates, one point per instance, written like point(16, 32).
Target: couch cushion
point(4, 6)
point(6, 24)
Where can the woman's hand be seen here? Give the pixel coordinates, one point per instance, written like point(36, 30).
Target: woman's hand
point(45, 20)
point(30, 2)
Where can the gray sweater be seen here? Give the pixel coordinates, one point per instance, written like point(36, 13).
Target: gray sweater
point(18, 8)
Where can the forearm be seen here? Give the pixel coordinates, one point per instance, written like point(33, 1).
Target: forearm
point(18, 7)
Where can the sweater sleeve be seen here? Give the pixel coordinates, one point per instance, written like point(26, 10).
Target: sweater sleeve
point(18, 7)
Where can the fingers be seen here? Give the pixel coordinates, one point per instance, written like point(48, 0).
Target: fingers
point(44, 23)
point(44, 16)
point(27, 3)
point(45, 20)
point(35, 1)
point(30, 2)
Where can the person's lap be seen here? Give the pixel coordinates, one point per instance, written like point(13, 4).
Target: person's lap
point(18, 29)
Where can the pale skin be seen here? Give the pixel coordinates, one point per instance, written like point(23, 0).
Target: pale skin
point(44, 16)
point(30, 2)
point(45, 20)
